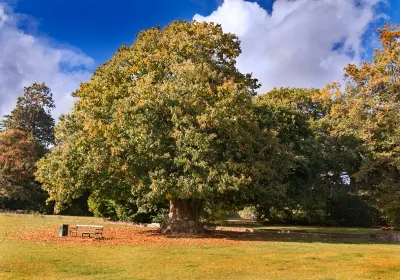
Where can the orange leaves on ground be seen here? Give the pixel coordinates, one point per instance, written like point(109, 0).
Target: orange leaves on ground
point(115, 235)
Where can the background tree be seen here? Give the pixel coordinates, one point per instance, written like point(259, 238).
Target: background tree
point(33, 114)
point(18, 155)
point(169, 117)
point(318, 189)
point(28, 132)
point(289, 112)
point(369, 109)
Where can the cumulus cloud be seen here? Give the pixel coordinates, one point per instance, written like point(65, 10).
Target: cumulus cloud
point(25, 59)
point(301, 43)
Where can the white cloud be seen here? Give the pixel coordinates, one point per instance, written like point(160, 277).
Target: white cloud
point(294, 44)
point(3, 16)
point(25, 59)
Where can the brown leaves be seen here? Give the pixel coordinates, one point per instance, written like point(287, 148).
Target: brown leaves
point(17, 164)
point(118, 235)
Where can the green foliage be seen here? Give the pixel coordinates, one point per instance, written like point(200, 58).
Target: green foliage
point(138, 212)
point(26, 135)
point(368, 109)
point(103, 208)
point(168, 117)
point(319, 180)
point(33, 114)
point(291, 113)
point(249, 212)
point(350, 210)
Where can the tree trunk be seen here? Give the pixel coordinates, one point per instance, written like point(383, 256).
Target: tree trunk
point(396, 173)
point(184, 216)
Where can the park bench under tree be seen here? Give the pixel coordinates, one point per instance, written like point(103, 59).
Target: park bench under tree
point(87, 230)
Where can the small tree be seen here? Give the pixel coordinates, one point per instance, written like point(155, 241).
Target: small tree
point(169, 117)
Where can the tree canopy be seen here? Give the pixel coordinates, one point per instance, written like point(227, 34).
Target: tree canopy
point(18, 156)
point(169, 117)
point(318, 188)
point(27, 135)
point(33, 114)
point(368, 109)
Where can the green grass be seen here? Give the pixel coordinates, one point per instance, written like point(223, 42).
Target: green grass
point(317, 229)
point(253, 260)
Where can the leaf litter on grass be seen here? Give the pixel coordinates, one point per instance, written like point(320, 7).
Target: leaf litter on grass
point(131, 235)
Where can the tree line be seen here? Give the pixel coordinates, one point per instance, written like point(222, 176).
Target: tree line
point(169, 125)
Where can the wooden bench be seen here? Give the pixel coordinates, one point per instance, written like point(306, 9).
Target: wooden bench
point(73, 230)
point(87, 230)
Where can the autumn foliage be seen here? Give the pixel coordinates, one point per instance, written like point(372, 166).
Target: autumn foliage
point(18, 155)
point(171, 120)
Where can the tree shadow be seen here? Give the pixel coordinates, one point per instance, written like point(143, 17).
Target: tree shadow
point(302, 237)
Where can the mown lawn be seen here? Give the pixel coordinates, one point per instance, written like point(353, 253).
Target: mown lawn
point(41, 259)
point(317, 229)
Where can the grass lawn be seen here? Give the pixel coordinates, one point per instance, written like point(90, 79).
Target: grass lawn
point(317, 229)
point(152, 256)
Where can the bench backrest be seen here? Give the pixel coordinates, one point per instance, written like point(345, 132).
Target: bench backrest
point(90, 228)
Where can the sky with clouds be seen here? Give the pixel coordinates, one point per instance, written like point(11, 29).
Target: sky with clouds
point(285, 43)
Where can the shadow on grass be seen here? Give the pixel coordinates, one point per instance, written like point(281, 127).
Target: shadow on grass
point(334, 238)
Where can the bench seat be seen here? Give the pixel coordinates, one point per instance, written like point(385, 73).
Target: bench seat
point(89, 230)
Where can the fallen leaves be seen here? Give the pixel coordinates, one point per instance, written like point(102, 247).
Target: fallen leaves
point(129, 234)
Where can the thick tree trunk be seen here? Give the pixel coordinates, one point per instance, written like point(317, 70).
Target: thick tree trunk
point(184, 216)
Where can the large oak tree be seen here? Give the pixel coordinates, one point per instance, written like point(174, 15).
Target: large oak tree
point(169, 117)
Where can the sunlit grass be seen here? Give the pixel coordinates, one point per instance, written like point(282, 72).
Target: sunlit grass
point(258, 260)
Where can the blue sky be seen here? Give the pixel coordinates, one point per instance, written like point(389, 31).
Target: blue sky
point(99, 27)
point(302, 43)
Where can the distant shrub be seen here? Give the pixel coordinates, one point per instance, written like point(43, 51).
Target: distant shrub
point(249, 212)
point(104, 208)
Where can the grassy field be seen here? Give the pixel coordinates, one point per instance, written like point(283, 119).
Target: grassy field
point(317, 229)
point(29, 249)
